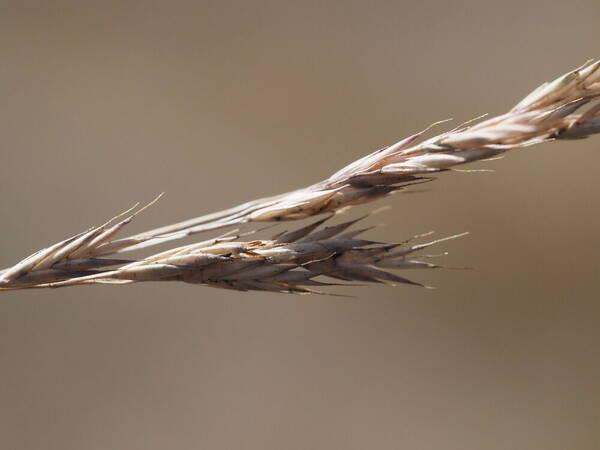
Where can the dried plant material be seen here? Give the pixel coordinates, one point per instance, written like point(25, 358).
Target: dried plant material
point(292, 260)
point(78, 255)
point(553, 111)
point(289, 262)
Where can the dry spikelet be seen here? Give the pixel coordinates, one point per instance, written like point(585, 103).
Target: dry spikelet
point(291, 261)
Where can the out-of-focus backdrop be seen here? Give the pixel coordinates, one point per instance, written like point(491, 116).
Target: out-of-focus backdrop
point(108, 103)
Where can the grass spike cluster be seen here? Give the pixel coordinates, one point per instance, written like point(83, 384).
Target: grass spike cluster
point(566, 108)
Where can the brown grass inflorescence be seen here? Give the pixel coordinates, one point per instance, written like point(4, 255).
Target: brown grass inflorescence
point(566, 108)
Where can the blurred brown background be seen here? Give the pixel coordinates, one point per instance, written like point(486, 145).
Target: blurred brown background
point(105, 104)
